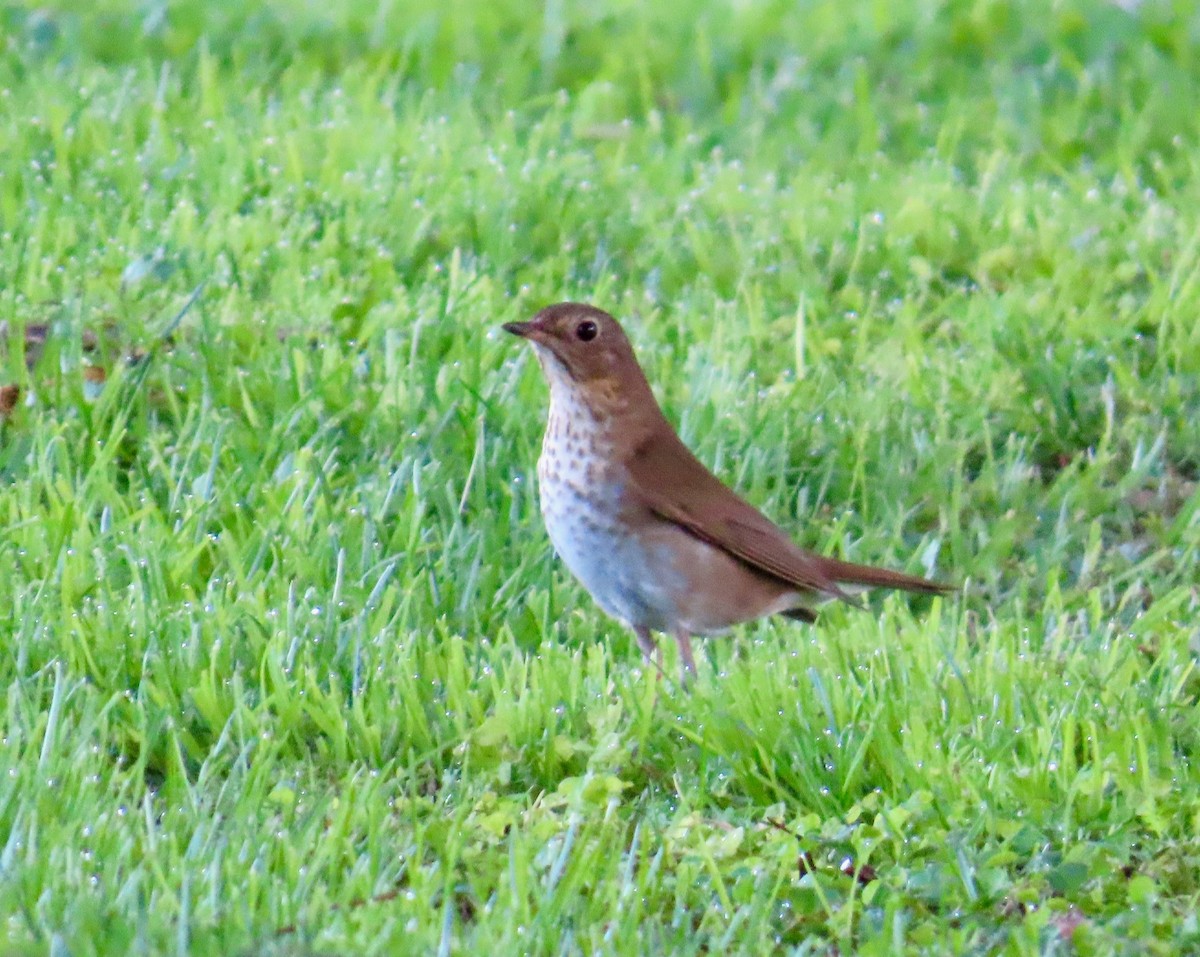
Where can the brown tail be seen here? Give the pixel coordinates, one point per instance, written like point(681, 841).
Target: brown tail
point(847, 573)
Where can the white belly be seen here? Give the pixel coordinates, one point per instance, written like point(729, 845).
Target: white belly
point(624, 577)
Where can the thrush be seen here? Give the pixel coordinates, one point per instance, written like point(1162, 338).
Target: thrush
point(657, 539)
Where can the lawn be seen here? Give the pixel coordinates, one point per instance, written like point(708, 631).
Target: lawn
point(289, 667)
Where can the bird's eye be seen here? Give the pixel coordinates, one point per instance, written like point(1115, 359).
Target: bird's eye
point(586, 331)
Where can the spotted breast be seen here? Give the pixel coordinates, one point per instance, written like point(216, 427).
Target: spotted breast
point(582, 505)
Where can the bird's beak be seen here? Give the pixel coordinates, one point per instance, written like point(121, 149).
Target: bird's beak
point(522, 329)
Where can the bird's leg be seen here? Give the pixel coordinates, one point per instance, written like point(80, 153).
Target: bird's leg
point(651, 651)
point(687, 664)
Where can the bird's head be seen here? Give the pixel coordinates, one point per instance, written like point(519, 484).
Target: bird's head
point(585, 351)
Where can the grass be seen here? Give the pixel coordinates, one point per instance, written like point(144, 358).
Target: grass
point(289, 667)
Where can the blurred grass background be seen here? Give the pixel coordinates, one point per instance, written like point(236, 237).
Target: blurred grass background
point(289, 666)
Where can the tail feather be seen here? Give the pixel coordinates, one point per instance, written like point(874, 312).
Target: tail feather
point(847, 580)
point(847, 573)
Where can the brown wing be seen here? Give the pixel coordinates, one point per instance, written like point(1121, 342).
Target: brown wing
point(677, 487)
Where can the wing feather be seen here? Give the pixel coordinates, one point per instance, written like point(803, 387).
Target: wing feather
point(676, 486)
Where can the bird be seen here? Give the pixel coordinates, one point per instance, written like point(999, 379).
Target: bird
point(658, 540)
